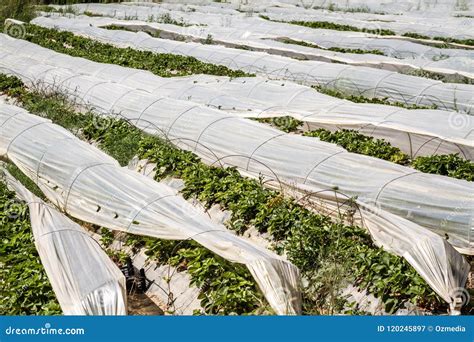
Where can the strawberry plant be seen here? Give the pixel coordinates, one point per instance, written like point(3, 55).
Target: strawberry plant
point(356, 142)
point(226, 288)
point(451, 165)
point(24, 286)
point(10, 85)
point(285, 123)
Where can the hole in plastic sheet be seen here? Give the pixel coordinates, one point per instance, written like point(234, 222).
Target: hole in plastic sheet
point(98, 208)
point(116, 215)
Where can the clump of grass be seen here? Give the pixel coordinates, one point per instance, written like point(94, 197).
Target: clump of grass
point(25, 180)
point(167, 19)
point(17, 9)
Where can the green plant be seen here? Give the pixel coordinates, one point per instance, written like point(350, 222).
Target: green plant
point(17, 9)
point(440, 77)
point(24, 286)
point(166, 19)
point(10, 85)
point(356, 142)
point(341, 27)
point(209, 40)
point(118, 256)
point(284, 123)
point(152, 32)
point(451, 165)
point(387, 277)
point(268, 211)
point(415, 35)
point(334, 8)
point(45, 8)
point(106, 237)
point(27, 182)
point(162, 64)
point(91, 14)
point(443, 39)
point(225, 288)
point(115, 137)
point(357, 51)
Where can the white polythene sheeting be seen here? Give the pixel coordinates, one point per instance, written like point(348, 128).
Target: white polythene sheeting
point(451, 68)
point(356, 80)
point(220, 138)
point(85, 280)
point(416, 132)
point(88, 184)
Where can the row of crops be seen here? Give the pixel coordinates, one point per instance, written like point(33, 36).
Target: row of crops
point(306, 219)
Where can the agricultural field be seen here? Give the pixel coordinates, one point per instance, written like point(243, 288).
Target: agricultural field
point(236, 158)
